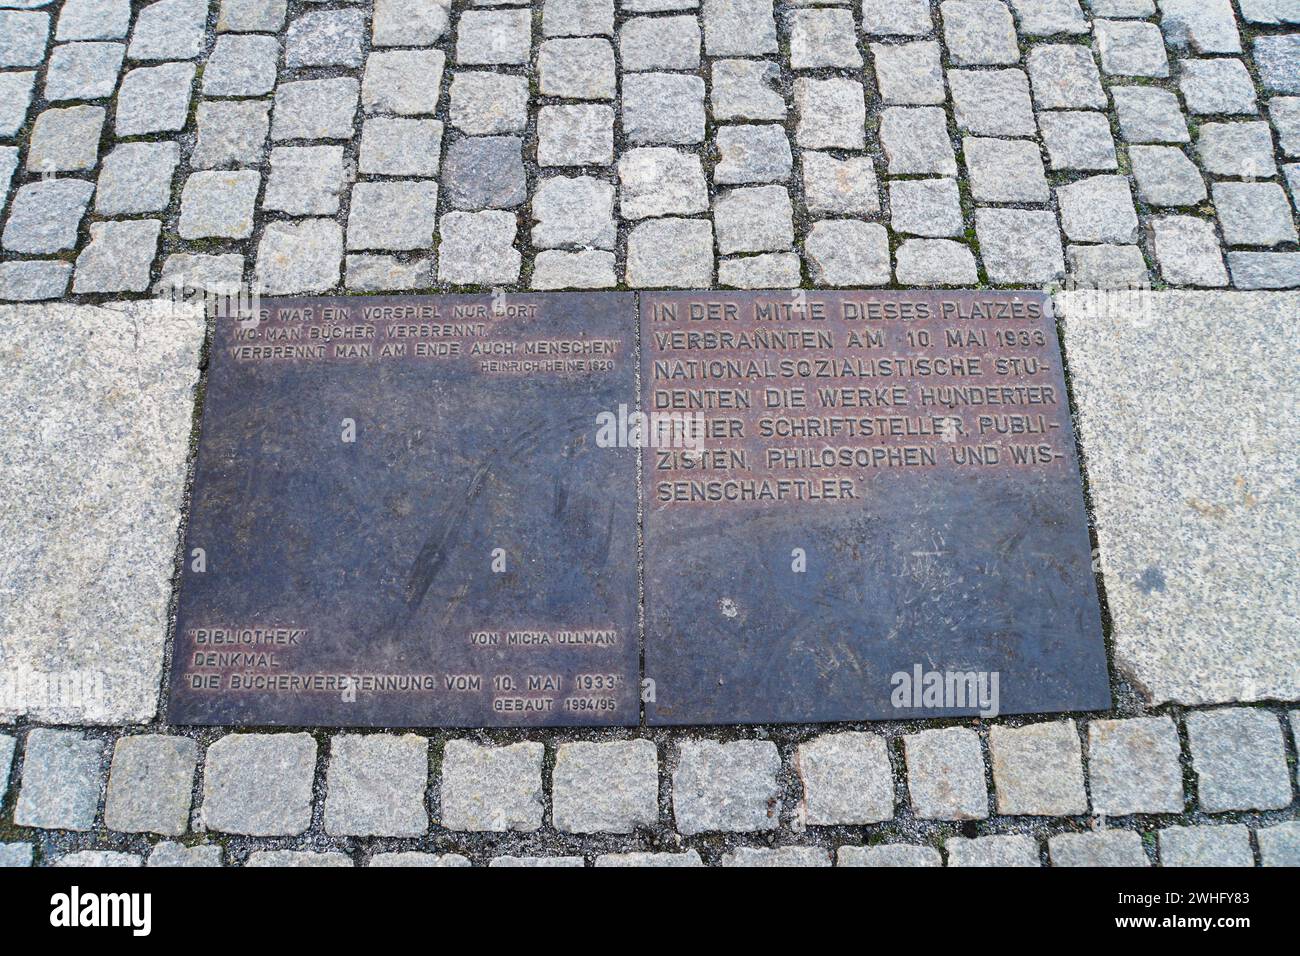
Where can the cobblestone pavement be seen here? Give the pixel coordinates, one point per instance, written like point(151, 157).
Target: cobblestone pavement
point(1184, 788)
point(421, 144)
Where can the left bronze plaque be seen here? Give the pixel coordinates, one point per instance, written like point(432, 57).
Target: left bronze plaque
point(401, 517)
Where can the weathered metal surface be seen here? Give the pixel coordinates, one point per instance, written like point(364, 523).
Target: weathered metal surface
point(400, 517)
point(405, 513)
point(887, 485)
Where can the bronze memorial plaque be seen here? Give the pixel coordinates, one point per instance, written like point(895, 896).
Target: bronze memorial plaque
point(862, 505)
point(423, 511)
point(400, 517)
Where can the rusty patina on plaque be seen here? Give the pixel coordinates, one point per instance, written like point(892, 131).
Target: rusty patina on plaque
point(865, 505)
point(400, 517)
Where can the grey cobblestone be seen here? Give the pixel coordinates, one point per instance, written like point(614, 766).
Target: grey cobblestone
point(484, 172)
point(154, 99)
point(392, 215)
point(578, 135)
point(979, 32)
point(118, 257)
point(1188, 252)
point(536, 862)
point(99, 859)
point(325, 38)
point(299, 257)
point(896, 17)
point(575, 68)
point(891, 854)
point(478, 248)
point(1019, 246)
point(33, 281)
point(657, 181)
point(495, 37)
point(15, 855)
point(1237, 149)
point(1005, 170)
point(798, 856)
point(1129, 48)
point(1014, 850)
point(1254, 214)
point(93, 20)
point(375, 785)
point(1109, 848)
point(573, 211)
point(83, 71)
point(909, 74)
point(945, 775)
point(491, 788)
point(1149, 115)
point(1278, 60)
point(754, 219)
point(743, 90)
point(393, 146)
point(296, 858)
point(992, 102)
point(769, 270)
point(1038, 770)
point(405, 82)
point(1206, 846)
point(483, 103)
point(44, 216)
point(177, 855)
point(62, 775)
point(408, 859)
point(846, 780)
point(65, 140)
point(1279, 845)
point(752, 154)
point(1078, 140)
point(660, 43)
point(219, 205)
point(844, 252)
point(22, 37)
point(915, 140)
point(606, 787)
point(136, 178)
point(845, 187)
point(259, 784)
point(409, 22)
point(926, 207)
point(305, 180)
point(657, 108)
point(1099, 209)
point(689, 858)
point(1239, 760)
point(15, 99)
point(1264, 270)
point(1133, 766)
point(726, 787)
point(231, 133)
point(935, 262)
point(7, 747)
point(169, 30)
point(1217, 87)
point(251, 15)
point(1065, 76)
point(241, 65)
point(1166, 177)
point(367, 273)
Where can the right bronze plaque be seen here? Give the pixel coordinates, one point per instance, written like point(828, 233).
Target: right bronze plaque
point(862, 505)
